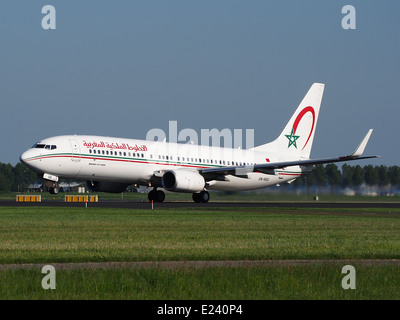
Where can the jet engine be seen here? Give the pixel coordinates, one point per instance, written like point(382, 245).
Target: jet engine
point(183, 181)
point(106, 186)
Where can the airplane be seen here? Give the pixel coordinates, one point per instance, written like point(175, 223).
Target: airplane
point(112, 164)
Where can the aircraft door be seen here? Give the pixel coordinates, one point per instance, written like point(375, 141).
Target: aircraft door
point(76, 152)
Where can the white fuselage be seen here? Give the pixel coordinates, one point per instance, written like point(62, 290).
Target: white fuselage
point(131, 161)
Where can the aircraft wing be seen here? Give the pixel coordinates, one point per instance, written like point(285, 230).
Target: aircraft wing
point(268, 168)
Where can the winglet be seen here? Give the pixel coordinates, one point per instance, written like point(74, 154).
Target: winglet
point(360, 149)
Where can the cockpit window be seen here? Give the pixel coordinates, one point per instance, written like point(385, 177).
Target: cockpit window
point(44, 146)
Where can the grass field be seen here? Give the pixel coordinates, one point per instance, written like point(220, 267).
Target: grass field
point(297, 282)
point(49, 235)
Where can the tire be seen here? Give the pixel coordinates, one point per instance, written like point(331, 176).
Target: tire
point(160, 196)
point(152, 195)
point(53, 190)
point(204, 196)
point(196, 197)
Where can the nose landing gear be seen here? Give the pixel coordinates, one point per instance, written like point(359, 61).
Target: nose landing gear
point(54, 189)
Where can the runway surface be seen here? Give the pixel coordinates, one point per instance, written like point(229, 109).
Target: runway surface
point(146, 205)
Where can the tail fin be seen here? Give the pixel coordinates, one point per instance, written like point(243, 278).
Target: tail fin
point(297, 137)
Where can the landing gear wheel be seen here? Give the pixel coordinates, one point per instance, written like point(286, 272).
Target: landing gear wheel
point(152, 195)
point(53, 190)
point(202, 196)
point(156, 195)
point(196, 197)
point(160, 196)
point(205, 196)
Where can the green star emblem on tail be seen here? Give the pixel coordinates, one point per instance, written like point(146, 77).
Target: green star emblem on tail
point(292, 139)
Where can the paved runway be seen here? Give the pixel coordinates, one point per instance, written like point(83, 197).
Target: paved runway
point(146, 205)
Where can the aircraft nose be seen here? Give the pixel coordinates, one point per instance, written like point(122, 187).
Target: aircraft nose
point(23, 157)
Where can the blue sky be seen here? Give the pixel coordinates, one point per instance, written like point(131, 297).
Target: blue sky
point(122, 68)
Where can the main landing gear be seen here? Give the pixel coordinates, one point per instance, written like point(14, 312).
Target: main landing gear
point(159, 196)
point(156, 195)
point(202, 196)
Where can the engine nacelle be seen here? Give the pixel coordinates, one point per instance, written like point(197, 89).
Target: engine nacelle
point(106, 186)
point(183, 181)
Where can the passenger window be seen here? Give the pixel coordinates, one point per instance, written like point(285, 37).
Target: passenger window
point(90, 150)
